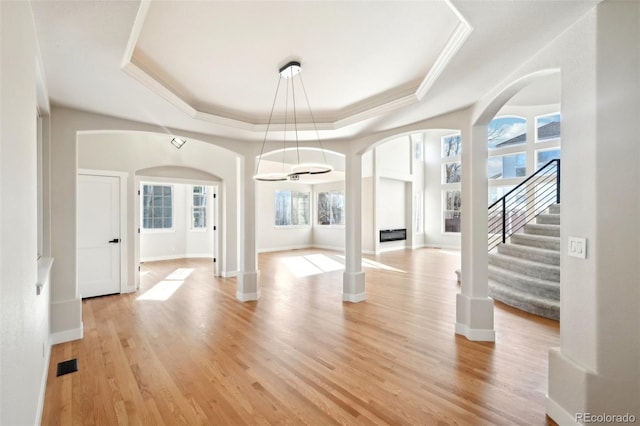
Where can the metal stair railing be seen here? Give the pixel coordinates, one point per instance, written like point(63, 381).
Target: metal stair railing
point(523, 203)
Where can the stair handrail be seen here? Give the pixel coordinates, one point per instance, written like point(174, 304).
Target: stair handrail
point(542, 174)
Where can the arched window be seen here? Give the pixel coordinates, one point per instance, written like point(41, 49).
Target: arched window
point(504, 132)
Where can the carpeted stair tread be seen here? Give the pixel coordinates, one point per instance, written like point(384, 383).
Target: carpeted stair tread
point(527, 302)
point(540, 241)
point(548, 219)
point(539, 229)
point(550, 257)
point(525, 283)
point(526, 267)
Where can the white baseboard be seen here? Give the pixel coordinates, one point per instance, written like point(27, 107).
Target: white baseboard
point(67, 335)
point(247, 297)
point(354, 298)
point(332, 248)
point(284, 248)
point(228, 274)
point(43, 383)
point(442, 246)
point(176, 256)
point(394, 248)
point(559, 414)
point(478, 335)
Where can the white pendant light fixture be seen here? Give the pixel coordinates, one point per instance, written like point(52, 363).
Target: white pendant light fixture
point(287, 73)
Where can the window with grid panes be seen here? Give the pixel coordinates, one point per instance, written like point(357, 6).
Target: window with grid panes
point(157, 207)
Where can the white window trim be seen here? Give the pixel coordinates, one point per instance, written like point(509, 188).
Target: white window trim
point(535, 129)
point(308, 225)
point(517, 147)
point(443, 201)
point(452, 158)
point(144, 230)
point(330, 225)
point(192, 207)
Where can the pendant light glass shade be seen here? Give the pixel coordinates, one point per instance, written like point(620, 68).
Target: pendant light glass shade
point(288, 72)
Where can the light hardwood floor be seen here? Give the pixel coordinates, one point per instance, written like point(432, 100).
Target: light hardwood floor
point(299, 355)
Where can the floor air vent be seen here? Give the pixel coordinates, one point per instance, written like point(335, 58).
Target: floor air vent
point(67, 367)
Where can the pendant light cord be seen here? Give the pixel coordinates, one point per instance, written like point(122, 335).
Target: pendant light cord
point(313, 120)
point(268, 125)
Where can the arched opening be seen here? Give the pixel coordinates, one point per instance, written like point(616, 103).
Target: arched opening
point(524, 263)
point(138, 156)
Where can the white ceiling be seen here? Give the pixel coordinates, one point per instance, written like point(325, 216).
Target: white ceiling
point(211, 67)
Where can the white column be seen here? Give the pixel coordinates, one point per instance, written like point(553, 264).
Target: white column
point(353, 285)
point(248, 288)
point(595, 372)
point(474, 307)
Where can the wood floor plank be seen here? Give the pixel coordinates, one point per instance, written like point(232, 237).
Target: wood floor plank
point(299, 355)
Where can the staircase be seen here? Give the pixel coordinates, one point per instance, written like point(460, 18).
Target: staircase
point(524, 272)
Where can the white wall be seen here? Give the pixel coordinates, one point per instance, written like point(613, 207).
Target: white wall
point(182, 241)
point(274, 238)
point(596, 369)
point(397, 176)
point(392, 210)
point(24, 330)
point(393, 158)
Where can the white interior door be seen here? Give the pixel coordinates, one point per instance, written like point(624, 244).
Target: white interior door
point(98, 235)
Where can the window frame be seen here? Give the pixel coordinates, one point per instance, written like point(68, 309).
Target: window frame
point(535, 129)
point(444, 172)
point(512, 146)
point(537, 163)
point(444, 210)
point(142, 207)
point(331, 193)
point(292, 226)
point(457, 154)
point(502, 156)
point(204, 207)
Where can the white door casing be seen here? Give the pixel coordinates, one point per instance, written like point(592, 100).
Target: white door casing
point(98, 235)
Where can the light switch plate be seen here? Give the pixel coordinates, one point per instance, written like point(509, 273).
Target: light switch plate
point(577, 247)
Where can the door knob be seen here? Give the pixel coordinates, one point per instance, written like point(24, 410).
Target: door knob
point(114, 241)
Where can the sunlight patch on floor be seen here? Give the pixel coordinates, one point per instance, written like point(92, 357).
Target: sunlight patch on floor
point(368, 263)
point(313, 264)
point(324, 262)
point(180, 274)
point(161, 291)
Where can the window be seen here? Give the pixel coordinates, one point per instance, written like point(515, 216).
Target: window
point(451, 145)
point(451, 181)
point(199, 208)
point(292, 208)
point(548, 127)
point(451, 172)
point(507, 166)
point(544, 156)
point(497, 192)
point(157, 207)
point(451, 211)
point(331, 208)
point(507, 131)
